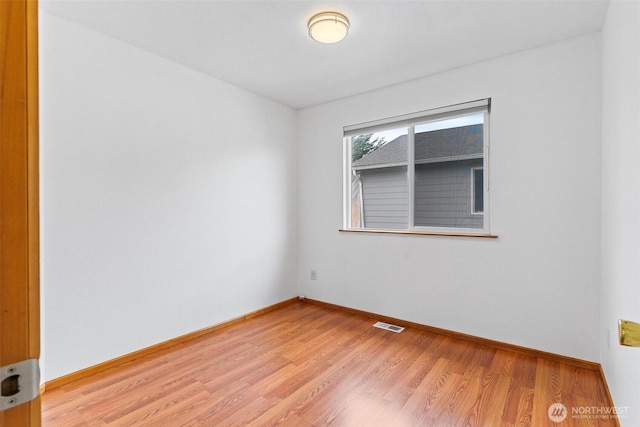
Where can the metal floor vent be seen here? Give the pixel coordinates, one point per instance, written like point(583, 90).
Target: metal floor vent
point(388, 327)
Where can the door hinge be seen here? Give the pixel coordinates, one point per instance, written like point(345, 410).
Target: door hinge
point(20, 383)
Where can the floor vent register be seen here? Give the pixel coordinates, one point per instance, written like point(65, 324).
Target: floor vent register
point(388, 327)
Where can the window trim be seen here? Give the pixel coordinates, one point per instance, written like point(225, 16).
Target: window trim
point(417, 233)
point(410, 121)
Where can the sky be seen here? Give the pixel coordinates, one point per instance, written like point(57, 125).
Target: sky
point(391, 134)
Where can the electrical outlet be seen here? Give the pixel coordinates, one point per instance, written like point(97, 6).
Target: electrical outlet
point(314, 274)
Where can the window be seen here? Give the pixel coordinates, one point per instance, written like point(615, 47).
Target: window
point(422, 172)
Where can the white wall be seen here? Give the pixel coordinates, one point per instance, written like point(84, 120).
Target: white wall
point(537, 284)
point(168, 199)
point(621, 201)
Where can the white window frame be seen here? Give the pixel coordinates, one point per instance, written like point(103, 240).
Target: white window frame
point(410, 121)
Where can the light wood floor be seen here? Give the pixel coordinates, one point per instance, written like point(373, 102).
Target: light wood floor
point(307, 365)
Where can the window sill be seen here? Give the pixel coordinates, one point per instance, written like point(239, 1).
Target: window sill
point(419, 233)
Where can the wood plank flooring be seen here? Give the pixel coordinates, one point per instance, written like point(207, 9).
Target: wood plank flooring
point(307, 365)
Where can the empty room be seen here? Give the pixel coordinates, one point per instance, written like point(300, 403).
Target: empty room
point(360, 213)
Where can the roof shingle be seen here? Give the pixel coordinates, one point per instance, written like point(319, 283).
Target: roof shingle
point(430, 147)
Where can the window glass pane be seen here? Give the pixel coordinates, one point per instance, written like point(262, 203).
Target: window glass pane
point(379, 189)
point(446, 152)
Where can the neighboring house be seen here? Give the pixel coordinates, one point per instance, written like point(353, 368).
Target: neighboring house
point(449, 181)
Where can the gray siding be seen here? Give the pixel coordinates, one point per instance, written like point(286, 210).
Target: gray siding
point(443, 195)
point(385, 199)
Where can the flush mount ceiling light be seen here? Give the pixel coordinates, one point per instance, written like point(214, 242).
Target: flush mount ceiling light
point(328, 27)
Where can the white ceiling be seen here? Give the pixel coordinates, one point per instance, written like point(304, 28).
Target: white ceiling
point(262, 46)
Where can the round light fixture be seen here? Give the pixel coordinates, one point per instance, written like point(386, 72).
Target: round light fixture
point(328, 27)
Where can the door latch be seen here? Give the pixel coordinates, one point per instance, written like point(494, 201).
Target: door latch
point(20, 383)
